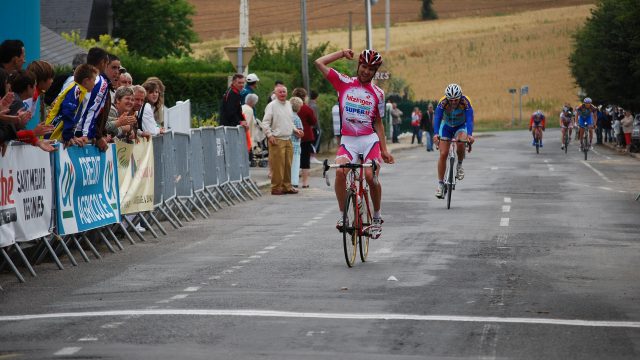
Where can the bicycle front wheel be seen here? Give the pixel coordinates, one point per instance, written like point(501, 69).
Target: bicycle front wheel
point(566, 141)
point(351, 224)
point(449, 184)
point(364, 236)
point(585, 146)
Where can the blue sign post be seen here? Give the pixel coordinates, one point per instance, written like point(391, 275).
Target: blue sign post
point(20, 20)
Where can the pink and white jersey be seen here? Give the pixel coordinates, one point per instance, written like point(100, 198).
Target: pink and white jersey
point(360, 104)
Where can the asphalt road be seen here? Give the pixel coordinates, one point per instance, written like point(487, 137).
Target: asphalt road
point(538, 258)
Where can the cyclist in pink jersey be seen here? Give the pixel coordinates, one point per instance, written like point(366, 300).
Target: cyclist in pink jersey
point(362, 107)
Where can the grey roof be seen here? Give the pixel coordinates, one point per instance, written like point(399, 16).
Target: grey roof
point(55, 49)
point(66, 15)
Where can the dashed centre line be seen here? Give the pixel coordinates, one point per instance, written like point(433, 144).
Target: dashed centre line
point(67, 351)
point(192, 289)
point(504, 222)
point(506, 208)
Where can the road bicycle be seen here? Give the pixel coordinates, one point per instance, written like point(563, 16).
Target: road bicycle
point(449, 176)
point(565, 140)
point(537, 135)
point(584, 143)
point(358, 212)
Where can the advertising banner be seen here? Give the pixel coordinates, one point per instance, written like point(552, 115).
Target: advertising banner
point(25, 194)
point(86, 188)
point(136, 176)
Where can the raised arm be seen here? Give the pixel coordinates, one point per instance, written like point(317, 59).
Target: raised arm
point(322, 63)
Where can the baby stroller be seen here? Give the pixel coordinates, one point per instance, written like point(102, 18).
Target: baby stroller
point(260, 148)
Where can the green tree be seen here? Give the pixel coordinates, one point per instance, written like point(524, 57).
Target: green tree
point(104, 41)
point(155, 28)
point(286, 56)
point(606, 59)
point(427, 10)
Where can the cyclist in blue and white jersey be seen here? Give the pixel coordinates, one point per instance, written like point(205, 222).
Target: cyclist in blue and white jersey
point(453, 119)
point(586, 116)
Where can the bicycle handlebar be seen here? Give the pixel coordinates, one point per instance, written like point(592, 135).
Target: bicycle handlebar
point(326, 166)
point(466, 142)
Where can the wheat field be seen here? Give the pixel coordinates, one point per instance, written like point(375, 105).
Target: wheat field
point(485, 55)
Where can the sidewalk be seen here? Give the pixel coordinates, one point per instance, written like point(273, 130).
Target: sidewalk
point(260, 175)
point(613, 147)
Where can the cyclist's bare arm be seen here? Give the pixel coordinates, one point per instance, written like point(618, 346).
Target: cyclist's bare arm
point(322, 63)
point(379, 128)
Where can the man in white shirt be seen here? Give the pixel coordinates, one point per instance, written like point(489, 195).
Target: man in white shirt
point(277, 124)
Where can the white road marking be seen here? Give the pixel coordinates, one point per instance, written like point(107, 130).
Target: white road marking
point(216, 277)
point(507, 200)
point(336, 316)
point(504, 222)
point(270, 247)
point(317, 218)
point(551, 168)
point(237, 267)
point(228, 271)
point(546, 161)
point(163, 301)
point(506, 208)
point(112, 325)
point(605, 156)
point(596, 171)
point(392, 278)
point(255, 257)
point(262, 252)
point(289, 236)
point(244, 261)
point(494, 168)
point(179, 296)
point(192, 289)
point(88, 338)
point(605, 188)
point(67, 351)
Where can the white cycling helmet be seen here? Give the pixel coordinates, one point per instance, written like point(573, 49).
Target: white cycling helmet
point(453, 91)
point(251, 78)
point(587, 100)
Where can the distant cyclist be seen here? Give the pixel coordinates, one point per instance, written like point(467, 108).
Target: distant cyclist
point(362, 107)
point(586, 114)
point(566, 123)
point(537, 124)
point(453, 120)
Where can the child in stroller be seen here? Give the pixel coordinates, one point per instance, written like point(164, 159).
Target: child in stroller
point(260, 148)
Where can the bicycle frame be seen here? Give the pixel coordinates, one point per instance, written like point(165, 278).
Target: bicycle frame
point(358, 200)
point(449, 176)
point(356, 184)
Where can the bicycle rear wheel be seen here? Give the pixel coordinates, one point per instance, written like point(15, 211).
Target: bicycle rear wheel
point(449, 184)
point(351, 224)
point(363, 237)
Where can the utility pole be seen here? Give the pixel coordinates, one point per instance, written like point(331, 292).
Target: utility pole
point(244, 32)
point(387, 24)
point(305, 55)
point(512, 91)
point(367, 5)
point(350, 29)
